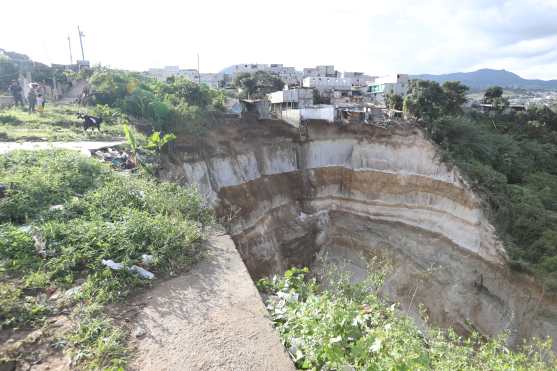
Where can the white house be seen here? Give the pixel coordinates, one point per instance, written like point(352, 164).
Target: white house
point(392, 84)
point(293, 98)
point(327, 83)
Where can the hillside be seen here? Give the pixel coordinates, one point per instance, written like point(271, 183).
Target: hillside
point(484, 78)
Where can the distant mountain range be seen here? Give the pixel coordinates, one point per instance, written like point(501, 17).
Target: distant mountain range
point(484, 78)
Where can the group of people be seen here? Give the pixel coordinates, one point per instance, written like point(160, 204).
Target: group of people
point(35, 97)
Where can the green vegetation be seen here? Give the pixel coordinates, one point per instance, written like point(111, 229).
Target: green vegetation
point(258, 84)
point(57, 123)
point(177, 105)
point(347, 327)
point(61, 215)
point(394, 101)
point(510, 158)
point(429, 100)
point(494, 96)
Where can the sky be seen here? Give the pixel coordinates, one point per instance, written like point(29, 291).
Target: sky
point(372, 36)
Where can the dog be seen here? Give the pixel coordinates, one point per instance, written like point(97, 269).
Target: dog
point(90, 121)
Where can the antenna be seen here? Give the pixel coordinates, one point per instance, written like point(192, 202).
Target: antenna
point(81, 35)
point(70, 47)
point(198, 72)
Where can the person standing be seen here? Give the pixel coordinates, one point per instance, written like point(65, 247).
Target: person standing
point(17, 93)
point(40, 101)
point(32, 100)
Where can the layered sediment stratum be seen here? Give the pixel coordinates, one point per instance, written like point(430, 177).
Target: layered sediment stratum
point(350, 194)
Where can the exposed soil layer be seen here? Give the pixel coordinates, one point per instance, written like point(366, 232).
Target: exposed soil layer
point(351, 193)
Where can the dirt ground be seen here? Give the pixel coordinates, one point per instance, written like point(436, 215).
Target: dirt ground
point(211, 318)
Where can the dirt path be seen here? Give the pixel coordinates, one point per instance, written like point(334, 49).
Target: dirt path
point(84, 146)
point(211, 318)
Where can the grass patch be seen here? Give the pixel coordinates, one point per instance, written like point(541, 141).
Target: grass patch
point(347, 327)
point(95, 341)
point(61, 215)
point(57, 123)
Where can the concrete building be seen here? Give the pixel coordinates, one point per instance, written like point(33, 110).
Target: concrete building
point(392, 84)
point(323, 84)
point(246, 68)
point(358, 78)
point(288, 74)
point(320, 71)
point(214, 80)
point(162, 74)
point(189, 73)
point(295, 116)
point(291, 98)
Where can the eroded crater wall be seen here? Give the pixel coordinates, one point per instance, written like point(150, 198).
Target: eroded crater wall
point(362, 192)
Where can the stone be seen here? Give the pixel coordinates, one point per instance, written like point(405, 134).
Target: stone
point(8, 365)
point(139, 332)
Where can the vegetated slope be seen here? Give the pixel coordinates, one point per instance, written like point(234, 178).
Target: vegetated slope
point(343, 326)
point(176, 105)
point(58, 122)
point(61, 214)
point(511, 160)
point(484, 78)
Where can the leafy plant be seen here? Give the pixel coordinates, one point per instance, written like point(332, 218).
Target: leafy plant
point(99, 214)
point(343, 326)
point(156, 142)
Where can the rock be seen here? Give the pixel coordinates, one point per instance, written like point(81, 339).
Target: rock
point(147, 259)
point(139, 332)
point(7, 365)
point(34, 336)
point(72, 292)
point(40, 243)
point(56, 207)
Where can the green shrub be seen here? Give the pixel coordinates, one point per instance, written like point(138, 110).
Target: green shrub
point(103, 215)
point(38, 180)
point(17, 250)
point(17, 309)
point(513, 167)
point(346, 326)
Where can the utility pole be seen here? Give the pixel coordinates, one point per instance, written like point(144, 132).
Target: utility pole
point(81, 35)
point(70, 46)
point(198, 72)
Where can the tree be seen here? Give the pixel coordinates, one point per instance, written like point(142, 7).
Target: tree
point(456, 96)
point(258, 84)
point(246, 83)
point(394, 101)
point(9, 71)
point(426, 100)
point(493, 93)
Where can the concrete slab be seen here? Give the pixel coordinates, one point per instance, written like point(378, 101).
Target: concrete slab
point(211, 318)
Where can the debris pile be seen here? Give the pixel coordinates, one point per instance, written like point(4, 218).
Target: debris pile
point(118, 158)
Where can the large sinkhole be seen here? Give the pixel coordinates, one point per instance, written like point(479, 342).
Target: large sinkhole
point(354, 193)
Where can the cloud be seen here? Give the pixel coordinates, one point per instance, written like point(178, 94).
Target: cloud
point(376, 37)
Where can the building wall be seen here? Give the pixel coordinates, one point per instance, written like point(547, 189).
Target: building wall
point(392, 84)
point(320, 71)
point(327, 83)
point(303, 97)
